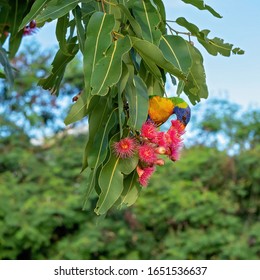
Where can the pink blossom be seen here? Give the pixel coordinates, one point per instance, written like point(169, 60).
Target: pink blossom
point(147, 153)
point(125, 147)
point(149, 131)
point(178, 127)
point(147, 173)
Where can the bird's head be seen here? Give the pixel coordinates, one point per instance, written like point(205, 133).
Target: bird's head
point(181, 110)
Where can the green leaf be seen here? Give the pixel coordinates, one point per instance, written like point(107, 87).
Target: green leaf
point(216, 45)
point(121, 86)
point(7, 67)
point(75, 114)
point(111, 180)
point(148, 18)
point(213, 46)
point(113, 9)
point(59, 65)
point(14, 19)
point(56, 9)
point(202, 6)
point(134, 24)
point(61, 31)
point(131, 190)
point(2, 75)
point(108, 70)
point(96, 150)
point(36, 8)
point(162, 14)
point(196, 86)
point(101, 122)
point(154, 86)
point(238, 51)
point(137, 97)
point(80, 28)
point(176, 50)
point(98, 39)
point(154, 57)
point(4, 17)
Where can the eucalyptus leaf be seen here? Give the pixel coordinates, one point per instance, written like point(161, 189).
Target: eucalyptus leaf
point(196, 86)
point(80, 29)
point(131, 190)
point(108, 70)
point(59, 64)
point(148, 18)
point(154, 57)
point(213, 46)
point(61, 32)
point(36, 8)
point(137, 98)
point(134, 24)
point(202, 6)
point(56, 9)
point(96, 150)
point(176, 50)
point(6, 65)
point(111, 180)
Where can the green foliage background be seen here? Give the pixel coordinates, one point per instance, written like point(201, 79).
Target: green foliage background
point(208, 208)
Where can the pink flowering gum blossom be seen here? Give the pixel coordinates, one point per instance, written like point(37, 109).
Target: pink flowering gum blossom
point(147, 153)
point(145, 174)
point(149, 131)
point(125, 148)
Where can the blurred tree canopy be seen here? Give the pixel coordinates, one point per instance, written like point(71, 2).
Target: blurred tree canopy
point(208, 208)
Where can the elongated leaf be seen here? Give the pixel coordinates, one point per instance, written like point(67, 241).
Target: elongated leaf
point(102, 121)
point(97, 151)
point(113, 9)
point(14, 19)
point(137, 97)
point(149, 20)
point(56, 9)
point(154, 86)
point(59, 64)
point(98, 39)
point(61, 31)
point(108, 70)
point(36, 8)
point(162, 14)
point(74, 115)
point(121, 86)
point(176, 50)
point(111, 181)
point(213, 46)
point(134, 24)
point(131, 190)
point(196, 87)
point(202, 6)
point(80, 29)
point(154, 57)
point(4, 15)
point(6, 64)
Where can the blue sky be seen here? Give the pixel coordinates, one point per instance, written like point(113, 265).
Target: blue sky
point(237, 77)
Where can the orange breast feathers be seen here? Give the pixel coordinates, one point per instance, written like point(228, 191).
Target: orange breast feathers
point(160, 109)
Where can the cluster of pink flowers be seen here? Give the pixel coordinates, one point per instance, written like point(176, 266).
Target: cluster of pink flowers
point(150, 144)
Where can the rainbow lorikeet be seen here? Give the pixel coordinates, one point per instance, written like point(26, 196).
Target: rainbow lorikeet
point(161, 108)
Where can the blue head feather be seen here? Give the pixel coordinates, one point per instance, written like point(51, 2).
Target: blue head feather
point(183, 114)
